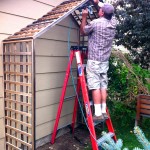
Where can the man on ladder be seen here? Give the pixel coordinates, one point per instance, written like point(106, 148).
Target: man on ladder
point(100, 33)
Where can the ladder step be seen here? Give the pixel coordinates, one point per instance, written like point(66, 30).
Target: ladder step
point(98, 122)
point(103, 138)
point(69, 97)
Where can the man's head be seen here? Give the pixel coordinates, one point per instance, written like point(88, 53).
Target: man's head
point(106, 10)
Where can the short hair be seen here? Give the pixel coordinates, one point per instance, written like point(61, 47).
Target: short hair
point(108, 16)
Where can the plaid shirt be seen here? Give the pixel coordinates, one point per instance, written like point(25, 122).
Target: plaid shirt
point(100, 33)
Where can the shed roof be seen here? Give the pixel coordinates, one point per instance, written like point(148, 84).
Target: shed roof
point(53, 17)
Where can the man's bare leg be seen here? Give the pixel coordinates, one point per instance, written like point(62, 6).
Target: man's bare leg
point(103, 105)
point(96, 94)
point(103, 95)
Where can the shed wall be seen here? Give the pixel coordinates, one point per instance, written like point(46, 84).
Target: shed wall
point(51, 62)
point(14, 15)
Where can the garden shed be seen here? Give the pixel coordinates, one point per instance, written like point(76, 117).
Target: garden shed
point(34, 62)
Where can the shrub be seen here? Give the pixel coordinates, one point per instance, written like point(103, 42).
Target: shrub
point(123, 89)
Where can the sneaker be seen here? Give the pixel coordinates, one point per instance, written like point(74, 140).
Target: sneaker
point(105, 115)
point(98, 118)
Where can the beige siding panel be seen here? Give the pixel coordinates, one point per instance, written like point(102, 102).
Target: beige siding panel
point(1, 107)
point(1, 65)
point(1, 87)
point(84, 38)
point(2, 144)
point(52, 80)
point(52, 64)
point(52, 96)
point(69, 22)
point(47, 128)
point(10, 24)
point(28, 8)
point(2, 128)
point(49, 112)
point(51, 2)
point(52, 47)
point(61, 33)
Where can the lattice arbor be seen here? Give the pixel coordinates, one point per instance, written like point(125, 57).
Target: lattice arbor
point(19, 94)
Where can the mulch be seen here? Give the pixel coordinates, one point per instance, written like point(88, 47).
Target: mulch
point(77, 141)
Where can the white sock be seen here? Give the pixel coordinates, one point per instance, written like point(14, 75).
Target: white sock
point(103, 107)
point(98, 111)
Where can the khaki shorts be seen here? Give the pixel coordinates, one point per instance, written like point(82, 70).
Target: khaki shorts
point(97, 74)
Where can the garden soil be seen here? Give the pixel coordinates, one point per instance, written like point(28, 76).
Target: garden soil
point(79, 141)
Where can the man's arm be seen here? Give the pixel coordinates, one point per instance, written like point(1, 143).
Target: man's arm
point(83, 23)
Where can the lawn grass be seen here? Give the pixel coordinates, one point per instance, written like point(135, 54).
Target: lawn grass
point(127, 135)
point(125, 132)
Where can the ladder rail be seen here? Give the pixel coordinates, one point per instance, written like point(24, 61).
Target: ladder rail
point(62, 97)
point(83, 55)
point(110, 126)
point(76, 104)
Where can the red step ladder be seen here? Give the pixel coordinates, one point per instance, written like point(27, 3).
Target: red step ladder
point(80, 52)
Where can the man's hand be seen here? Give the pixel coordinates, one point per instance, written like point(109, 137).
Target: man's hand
point(84, 13)
point(96, 1)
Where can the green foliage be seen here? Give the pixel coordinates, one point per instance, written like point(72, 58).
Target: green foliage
point(121, 113)
point(123, 85)
point(133, 30)
point(143, 74)
point(123, 89)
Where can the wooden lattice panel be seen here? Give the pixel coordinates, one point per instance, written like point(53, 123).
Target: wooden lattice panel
point(18, 97)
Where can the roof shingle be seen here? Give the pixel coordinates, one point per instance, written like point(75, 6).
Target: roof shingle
point(52, 17)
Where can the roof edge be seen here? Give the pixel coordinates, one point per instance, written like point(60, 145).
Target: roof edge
point(58, 20)
point(17, 39)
